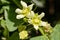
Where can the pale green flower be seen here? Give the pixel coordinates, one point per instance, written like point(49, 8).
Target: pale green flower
point(25, 11)
point(47, 26)
point(35, 20)
point(44, 23)
point(23, 34)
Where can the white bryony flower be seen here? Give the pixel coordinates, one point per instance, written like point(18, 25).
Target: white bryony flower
point(47, 26)
point(36, 20)
point(43, 23)
point(23, 34)
point(25, 11)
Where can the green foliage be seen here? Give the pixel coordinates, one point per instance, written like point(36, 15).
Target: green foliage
point(3, 24)
point(40, 38)
point(5, 1)
point(14, 36)
point(11, 26)
point(1, 11)
point(56, 33)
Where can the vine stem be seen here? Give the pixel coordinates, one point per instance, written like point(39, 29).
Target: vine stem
point(28, 24)
point(35, 8)
point(16, 3)
point(41, 31)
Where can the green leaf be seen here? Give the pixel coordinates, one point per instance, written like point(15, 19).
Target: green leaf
point(39, 38)
point(10, 17)
point(4, 1)
point(3, 23)
point(5, 32)
point(56, 33)
point(14, 36)
point(5, 7)
point(9, 23)
point(1, 11)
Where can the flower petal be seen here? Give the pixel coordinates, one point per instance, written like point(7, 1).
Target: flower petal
point(23, 4)
point(36, 27)
point(30, 7)
point(19, 16)
point(41, 15)
point(43, 23)
point(18, 11)
point(28, 16)
point(31, 14)
point(29, 21)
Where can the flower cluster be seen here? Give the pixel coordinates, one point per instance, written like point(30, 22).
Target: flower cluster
point(23, 34)
point(35, 20)
point(25, 11)
point(32, 18)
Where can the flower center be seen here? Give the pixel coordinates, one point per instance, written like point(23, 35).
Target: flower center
point(25, 11)
point(35, 21)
